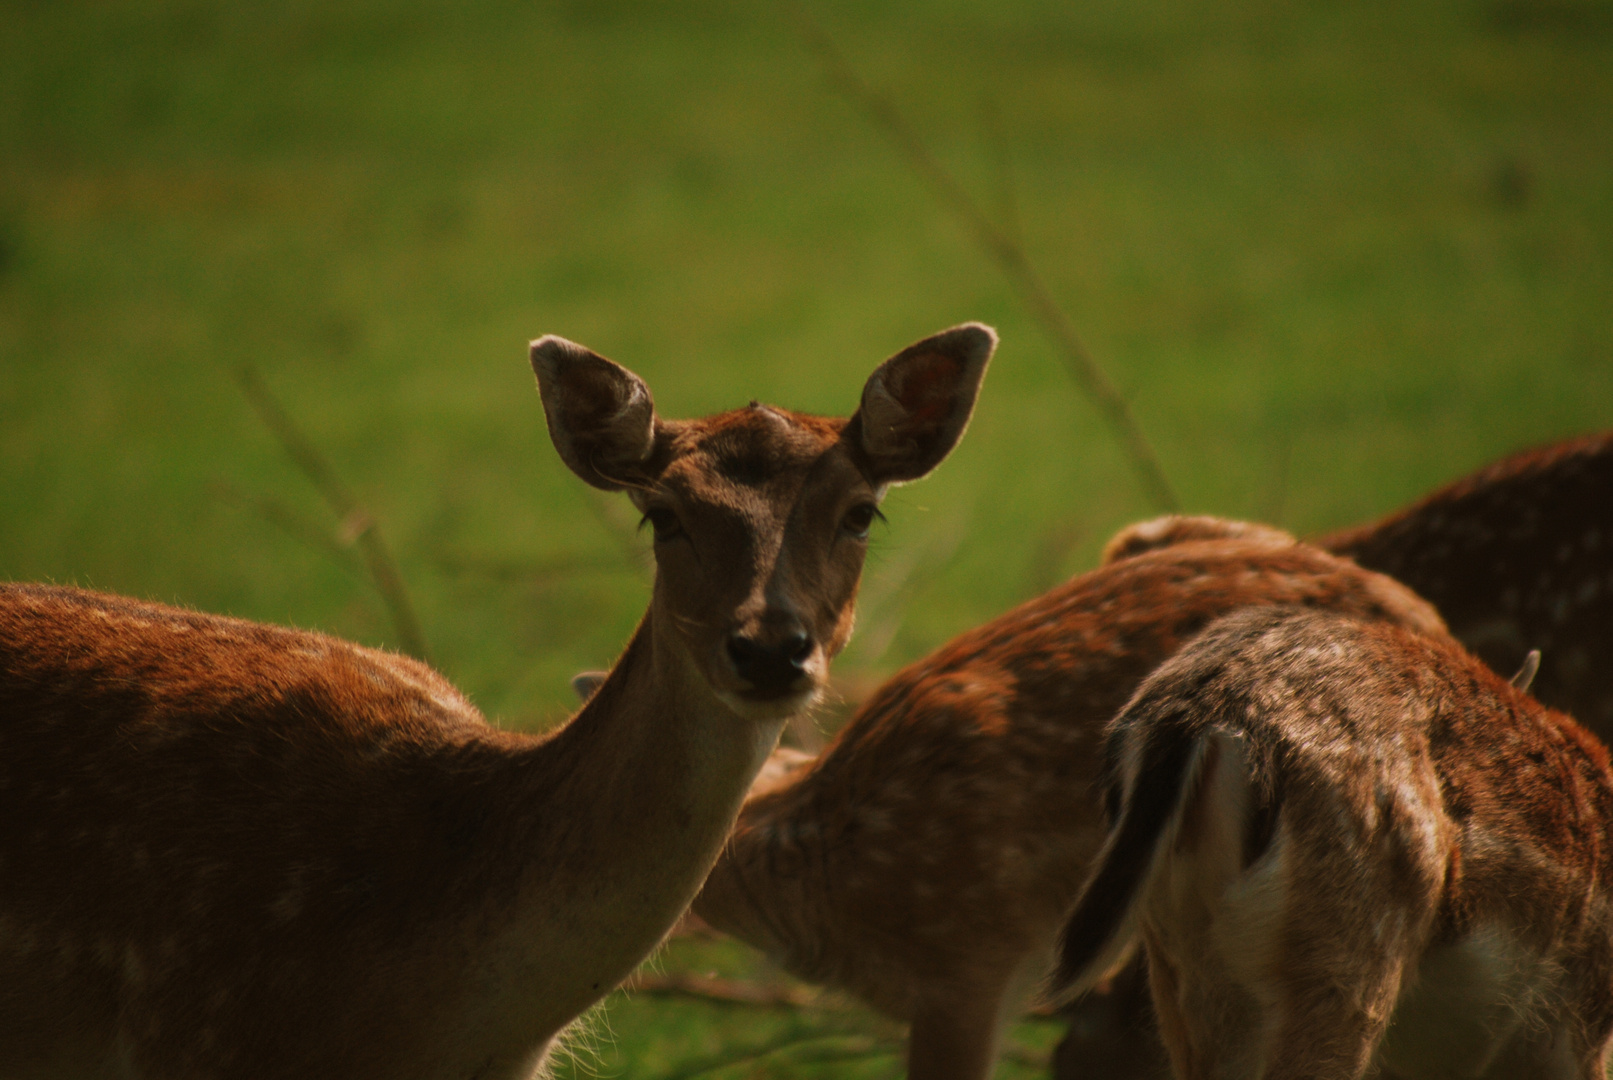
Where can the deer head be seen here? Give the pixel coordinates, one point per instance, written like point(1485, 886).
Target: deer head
point(760, 515)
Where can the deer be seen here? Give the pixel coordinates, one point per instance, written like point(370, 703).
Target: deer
point(927, 858)
point(234, 849)
point(1518, 559)
point(1516, 556)
point(1351, 849)
point(1559, 490)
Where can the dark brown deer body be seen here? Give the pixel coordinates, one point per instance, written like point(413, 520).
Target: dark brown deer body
point(927, 858)
point(233, 850)
point(1354, 850)
point(1517, 556)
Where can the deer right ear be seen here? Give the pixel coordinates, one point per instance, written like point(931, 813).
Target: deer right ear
point(601, 416)
point(917, 404)
point(585, 684)
point(1526, 674)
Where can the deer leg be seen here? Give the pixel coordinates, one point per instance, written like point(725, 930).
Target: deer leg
point(1243, 997)
point(1216, 1029)
point(1113, 1034)
point(955, 1039)
point(1176, 1028)
point(1325, 1037)
point(1558, 1051)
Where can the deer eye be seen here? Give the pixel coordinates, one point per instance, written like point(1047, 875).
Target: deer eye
point(663, 521)
point(859, 518)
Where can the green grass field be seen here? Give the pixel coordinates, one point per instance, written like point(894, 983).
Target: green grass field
point(1332, 254)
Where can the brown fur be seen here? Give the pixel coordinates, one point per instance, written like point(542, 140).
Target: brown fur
point(927, 859)
point(1436, 870)
point(1517, 556)
point(238, 850)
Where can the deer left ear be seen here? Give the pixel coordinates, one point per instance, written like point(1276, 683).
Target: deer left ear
point(917, 404)
point(601, 416)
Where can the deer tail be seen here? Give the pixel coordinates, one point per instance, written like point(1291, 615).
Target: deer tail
point(1099, 932)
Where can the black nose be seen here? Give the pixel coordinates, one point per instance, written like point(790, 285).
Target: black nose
point(772, 668)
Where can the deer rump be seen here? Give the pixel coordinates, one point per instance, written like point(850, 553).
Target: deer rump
point(1320, 826)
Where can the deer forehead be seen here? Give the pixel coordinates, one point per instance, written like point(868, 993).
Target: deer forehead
point(759, 461)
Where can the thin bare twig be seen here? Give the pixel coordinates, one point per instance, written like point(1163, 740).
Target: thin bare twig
point(1052, 551)
point(991, 124)
point(1001, 246)
point(714, 988)
point(726, 991)
point(841, 1046)
point(538, 571)
point(293, 524)
point(893, 589)
point(357, 526)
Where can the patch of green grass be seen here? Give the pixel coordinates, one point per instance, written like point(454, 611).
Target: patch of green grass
point(685, 1037)
point(1333, 255)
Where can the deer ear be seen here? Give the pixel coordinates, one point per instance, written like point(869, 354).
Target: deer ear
point(601, 416)
point(585, 684)
point(917, 404)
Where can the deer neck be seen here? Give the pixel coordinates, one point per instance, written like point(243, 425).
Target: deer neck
point(627, 808)
point(656, 756)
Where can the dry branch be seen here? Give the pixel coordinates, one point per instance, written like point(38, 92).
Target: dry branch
point(715, 988)
point(821, 1047)
point(534, 570)
point(357, 526)
point(1003, 247)
point(293, 524)
point(885, 601)
point(726, 991)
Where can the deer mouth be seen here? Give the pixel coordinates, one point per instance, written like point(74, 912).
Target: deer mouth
point(770, 685)
point(799, 689)
point(776, 705)
point(769, 669)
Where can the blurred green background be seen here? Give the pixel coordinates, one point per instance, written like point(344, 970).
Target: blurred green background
point(1333, 254)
